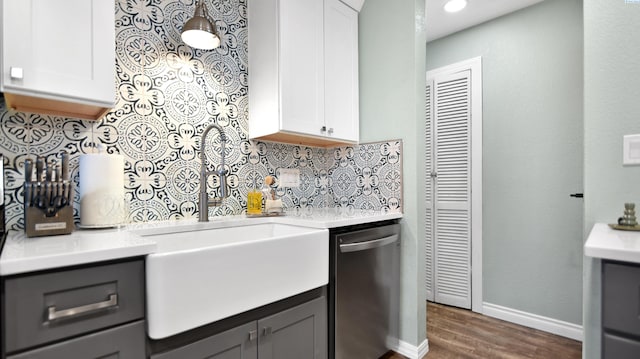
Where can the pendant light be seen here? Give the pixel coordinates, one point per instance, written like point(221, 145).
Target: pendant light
point(455, 5)
point(199, 32)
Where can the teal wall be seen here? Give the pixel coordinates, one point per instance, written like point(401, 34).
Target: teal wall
point(532, 155)
point(392, 103)
point(612, 110)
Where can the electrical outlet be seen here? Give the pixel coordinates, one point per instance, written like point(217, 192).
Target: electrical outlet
point(289, 177)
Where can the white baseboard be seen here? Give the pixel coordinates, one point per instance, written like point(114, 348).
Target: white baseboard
point(550, 325)
point(411, 351)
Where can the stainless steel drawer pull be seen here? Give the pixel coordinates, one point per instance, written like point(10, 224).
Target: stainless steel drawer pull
point(361, 246)
point(84, 309)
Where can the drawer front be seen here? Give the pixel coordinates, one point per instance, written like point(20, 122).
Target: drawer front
point(41, 308)
point(123, 342)
point(615, 347)
point(621, 297)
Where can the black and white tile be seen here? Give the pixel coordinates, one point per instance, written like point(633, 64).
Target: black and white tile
point(166, 94)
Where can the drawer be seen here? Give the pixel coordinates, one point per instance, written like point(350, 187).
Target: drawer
point(621, 297)
point(123, 342)
point(42, 308)
point(615, 347)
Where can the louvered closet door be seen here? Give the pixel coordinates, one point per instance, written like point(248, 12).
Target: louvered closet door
point(452, 189)
point(429, 193)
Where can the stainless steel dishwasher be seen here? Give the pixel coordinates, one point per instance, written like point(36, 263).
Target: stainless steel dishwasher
point(364, 285)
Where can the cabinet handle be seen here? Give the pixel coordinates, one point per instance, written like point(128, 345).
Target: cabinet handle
point(330, 130)
point(16, 73)
point(323, 129)
point(253, 335)
point(54, 314)
point(266, 331)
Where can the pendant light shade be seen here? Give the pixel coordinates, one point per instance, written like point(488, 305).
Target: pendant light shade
point(199, 32)
point(455, 5)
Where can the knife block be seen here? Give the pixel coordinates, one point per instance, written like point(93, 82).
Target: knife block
point(37, 223)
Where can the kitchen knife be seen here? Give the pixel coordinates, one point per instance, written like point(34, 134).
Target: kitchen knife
point(28, 170)
point(47, 194)
point(65, 165)
point(69, 194)
point(49, 171)
point(59, 195)
point(39, 168)
point(40, 197)
point(27, 194)
point(58, 174)
point(34, 188)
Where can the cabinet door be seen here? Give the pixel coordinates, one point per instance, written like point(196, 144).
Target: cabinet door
point(621, 298)
point(296, 333)
point(237, 343)
point(301, 66)
point(341, 71)
point(59, 49)
point(124, 342)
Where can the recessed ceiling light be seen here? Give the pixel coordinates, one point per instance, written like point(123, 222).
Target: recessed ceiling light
point(455, 5)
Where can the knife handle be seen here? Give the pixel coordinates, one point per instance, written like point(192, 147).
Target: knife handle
point(49, 171)
point(28, 170)
point(39, 168)
point(58, 173)
point(47, 194)
point(65, 165)
point(27, 194)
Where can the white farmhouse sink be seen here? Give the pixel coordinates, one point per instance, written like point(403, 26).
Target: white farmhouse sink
point(200, 276)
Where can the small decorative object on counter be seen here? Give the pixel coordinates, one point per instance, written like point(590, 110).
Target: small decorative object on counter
point(628, 221)
point(272, 205)
point(629, 217)
point(48, 201)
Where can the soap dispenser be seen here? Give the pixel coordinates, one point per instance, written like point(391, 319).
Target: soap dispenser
point(254, 201)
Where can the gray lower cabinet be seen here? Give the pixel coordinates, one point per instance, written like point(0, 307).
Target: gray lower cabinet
point(94, 311)
point(124, 342)
point(295, 333)
point(620, 310)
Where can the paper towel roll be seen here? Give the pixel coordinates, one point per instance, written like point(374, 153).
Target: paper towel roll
point(101, 190)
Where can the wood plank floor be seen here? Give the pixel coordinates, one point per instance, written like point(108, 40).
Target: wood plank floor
point(458, 333)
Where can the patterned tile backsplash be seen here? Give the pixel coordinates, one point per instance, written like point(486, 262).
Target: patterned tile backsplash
point(167, 93)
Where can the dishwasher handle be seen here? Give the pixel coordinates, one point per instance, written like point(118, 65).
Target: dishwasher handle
point(361, 246)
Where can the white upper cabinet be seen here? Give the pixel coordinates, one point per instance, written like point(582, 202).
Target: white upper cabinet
point(58, 56)
point(303, 71)
point(341, 110)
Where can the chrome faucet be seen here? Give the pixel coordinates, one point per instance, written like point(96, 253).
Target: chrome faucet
point(205, 202)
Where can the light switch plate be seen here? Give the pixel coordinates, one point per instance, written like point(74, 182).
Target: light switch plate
point(289, 177)
point(631, 150)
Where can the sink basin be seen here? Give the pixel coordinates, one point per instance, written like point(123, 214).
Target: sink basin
point(198, 276)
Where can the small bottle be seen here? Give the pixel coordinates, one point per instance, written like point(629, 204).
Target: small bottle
point(254, 202)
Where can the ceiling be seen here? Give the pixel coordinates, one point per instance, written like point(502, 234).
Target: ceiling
point(441, 23)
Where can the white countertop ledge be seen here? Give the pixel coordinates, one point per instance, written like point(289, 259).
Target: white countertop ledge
point(607, 243)
point(22, 254)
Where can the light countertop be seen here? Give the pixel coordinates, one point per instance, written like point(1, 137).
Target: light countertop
point(22, 254)
point(606, 243)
